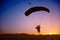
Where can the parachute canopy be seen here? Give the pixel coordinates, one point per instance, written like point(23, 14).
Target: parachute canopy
point(34, 9)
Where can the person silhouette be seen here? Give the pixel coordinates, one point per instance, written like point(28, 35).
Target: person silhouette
point(38, 28)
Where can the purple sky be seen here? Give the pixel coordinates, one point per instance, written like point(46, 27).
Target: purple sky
point(13, 19)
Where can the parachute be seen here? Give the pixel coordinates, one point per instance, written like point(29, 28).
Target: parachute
point(34, 9)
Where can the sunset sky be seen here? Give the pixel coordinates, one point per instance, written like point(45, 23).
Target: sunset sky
point(13, 19)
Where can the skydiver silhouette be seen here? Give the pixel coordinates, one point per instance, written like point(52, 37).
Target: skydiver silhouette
point(38, 28)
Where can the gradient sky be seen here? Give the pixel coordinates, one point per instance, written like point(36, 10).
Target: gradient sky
point(13, 19)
